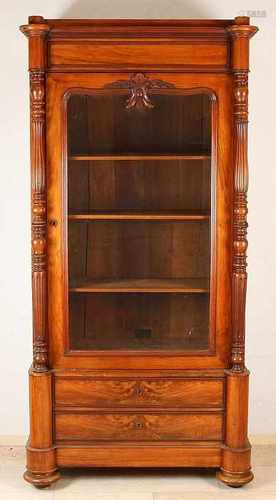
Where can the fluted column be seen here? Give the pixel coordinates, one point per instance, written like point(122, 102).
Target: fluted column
point(240, 35)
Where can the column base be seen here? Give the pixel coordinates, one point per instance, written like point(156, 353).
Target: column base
point(235, 479)
point(41, 480)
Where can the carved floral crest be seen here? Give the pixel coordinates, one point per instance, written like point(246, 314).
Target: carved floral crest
point(139, 86)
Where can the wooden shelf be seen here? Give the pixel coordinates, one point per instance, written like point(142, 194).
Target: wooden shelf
point(139, 215)
point(184, 285)
point(130, 156)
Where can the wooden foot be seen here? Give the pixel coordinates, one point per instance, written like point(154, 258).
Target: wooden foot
point(41, 480)
point(235, 479)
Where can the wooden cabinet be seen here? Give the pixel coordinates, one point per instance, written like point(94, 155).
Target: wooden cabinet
point(139, 222)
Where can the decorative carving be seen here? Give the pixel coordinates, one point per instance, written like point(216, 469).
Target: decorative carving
point(139, 390)
point(240, 219)
point(139, 86)
point(40, 354)
point(39, 263)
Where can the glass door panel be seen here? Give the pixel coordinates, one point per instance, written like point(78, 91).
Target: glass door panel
point(139, 207)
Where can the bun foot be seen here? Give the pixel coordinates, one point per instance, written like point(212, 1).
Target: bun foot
point(235, 479)
point(41, 480)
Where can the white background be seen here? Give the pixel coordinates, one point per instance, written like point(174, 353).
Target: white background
point(15, 283)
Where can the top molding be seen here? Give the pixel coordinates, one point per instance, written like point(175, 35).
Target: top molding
point(208, 29)
point(83, 45)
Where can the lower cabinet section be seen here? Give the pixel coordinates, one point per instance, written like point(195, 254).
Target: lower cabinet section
point(139, 427)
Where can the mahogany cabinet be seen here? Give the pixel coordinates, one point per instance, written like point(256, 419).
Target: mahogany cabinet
point(139, 222)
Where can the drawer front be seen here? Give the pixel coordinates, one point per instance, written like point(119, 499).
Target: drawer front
point(139, 427)
point(101, 54)
point(139, 393)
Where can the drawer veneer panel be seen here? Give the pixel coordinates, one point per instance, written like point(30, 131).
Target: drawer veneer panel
point(101, 54)
point(141, 393)
point(137, 427)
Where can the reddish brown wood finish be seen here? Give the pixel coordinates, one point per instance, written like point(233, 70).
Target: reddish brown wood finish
point(139, 86)
point(196, 454)
point(236, 468)
point(99, 55)
point(139, 393)
point(138, 427)
point(127, 408)
point(37, 63)
point(41, 461)
point(240, 35)
point(57, 88)
point(236, 454)
point(41, 454)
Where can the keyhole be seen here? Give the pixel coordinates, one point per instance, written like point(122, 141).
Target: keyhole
point(139, 425)
point(53, 222)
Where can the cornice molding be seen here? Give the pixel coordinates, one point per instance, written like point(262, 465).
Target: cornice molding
point(242, 31)
point(40, 30)
point(185, 29)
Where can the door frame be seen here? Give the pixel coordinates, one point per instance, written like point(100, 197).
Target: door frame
point(59, 88)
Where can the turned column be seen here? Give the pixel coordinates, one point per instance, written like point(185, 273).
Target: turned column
point(37, 34)
point(236, 454)
point(41, 464)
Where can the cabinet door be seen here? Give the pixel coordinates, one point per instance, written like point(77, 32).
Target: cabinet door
point(139, 261)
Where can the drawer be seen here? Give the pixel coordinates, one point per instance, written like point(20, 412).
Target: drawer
point(98, 54)
point(139, 427)
point(182, 393)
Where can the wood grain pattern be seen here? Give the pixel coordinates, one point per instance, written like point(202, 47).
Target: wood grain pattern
point(57, 87)
point(37, 62)
point(140, 427)
point(98, 123)
point(135, 55)
point(240, 221)
point(142, 455)
point(129, 187)
point(133, 322)
point(129, 157)
point(126, 215)
point(41, 420)
point(192, 285)
point(39, 219)
point(139, 86)
point(139, 393)
point(145, 198)
point(236, 457)
point(240, 35)
point(124, 257)
point(108, 250)
point(149, 374)
point(41, 459)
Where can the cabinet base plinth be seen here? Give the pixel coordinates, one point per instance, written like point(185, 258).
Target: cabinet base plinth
point(43, 480)
point(235, 479)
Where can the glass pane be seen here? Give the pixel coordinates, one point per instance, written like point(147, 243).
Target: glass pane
point(139, 321)
point(101, 124)
point(139, 205)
